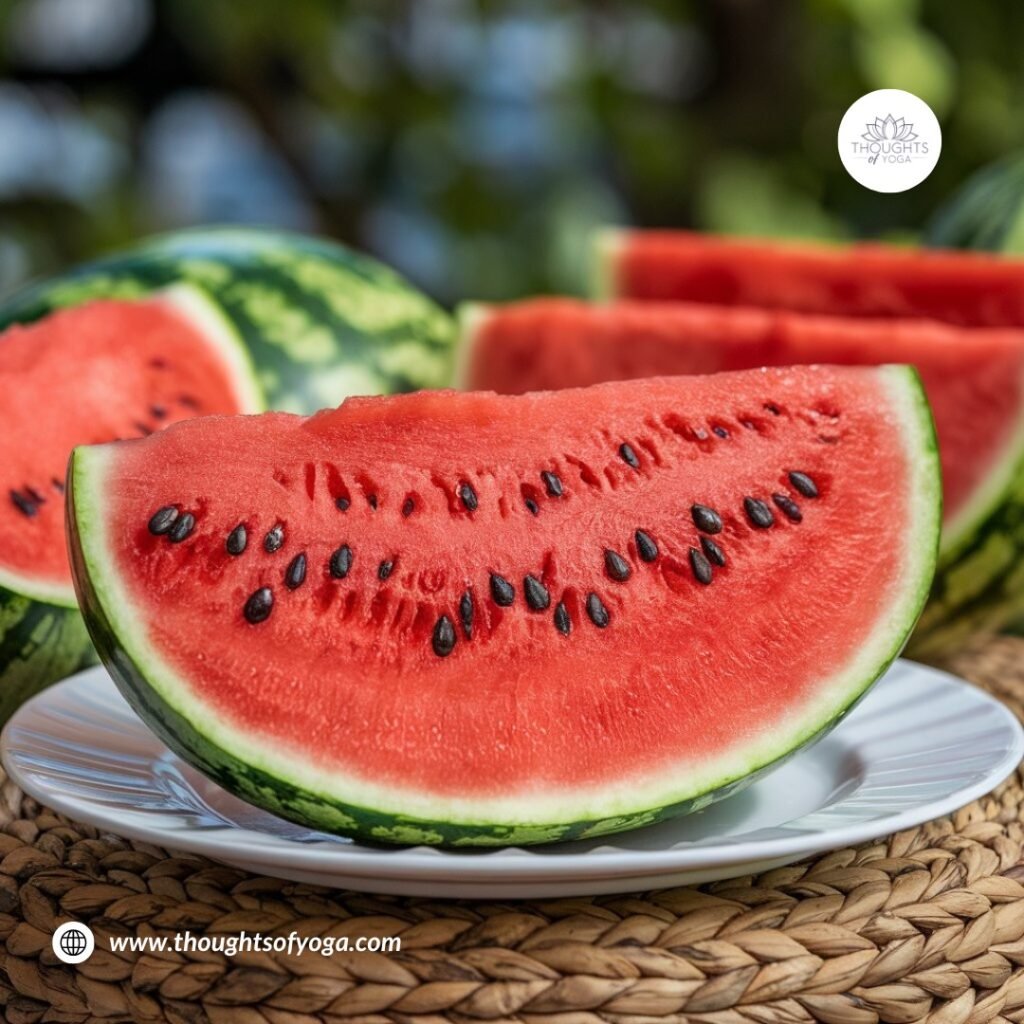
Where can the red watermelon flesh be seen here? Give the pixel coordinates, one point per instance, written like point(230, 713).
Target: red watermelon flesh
point(88, 374)
point(973, 377)
point(865, 280)
point(598, 672)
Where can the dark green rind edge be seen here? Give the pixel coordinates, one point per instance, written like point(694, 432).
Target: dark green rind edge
point(39, 644)
point(308, 310)
point(335, 815)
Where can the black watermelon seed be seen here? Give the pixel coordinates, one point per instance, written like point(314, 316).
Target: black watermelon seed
point(35, 496)
point(788, 507)
point(295, 574)
point(562, 621)
point(537, 596)
point(468, 496)
point(759, 514)
point(628, 456)
point(617, 567)
point(385, 569)
point(407, 507)
point(58, 485)
point(706, 519)
point(371, 500)
point(645, 546)
point(341, 562)
point(532, 507)
point(720, 431)
point(597, 611)
point(144, 429)
point(259, 606)
point(713, 551)
point(466, 614)
point(24, 505)
point(182, 528)
point(342, 503)
point(158, 412)
point(552, 484)
point(804, 484)
point(701, 567)
point(162, 520)
point(502, 591)
point(237, 540)
point(443, 640)
point(274, 539)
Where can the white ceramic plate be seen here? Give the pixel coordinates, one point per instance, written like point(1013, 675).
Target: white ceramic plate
point(920, 745)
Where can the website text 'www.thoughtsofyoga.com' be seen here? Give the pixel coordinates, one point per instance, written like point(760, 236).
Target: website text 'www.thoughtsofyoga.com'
point(74, 942)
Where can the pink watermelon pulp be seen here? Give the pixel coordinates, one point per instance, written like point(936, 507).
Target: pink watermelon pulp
point(974, 378)
point(463, 618)
point(88, 374)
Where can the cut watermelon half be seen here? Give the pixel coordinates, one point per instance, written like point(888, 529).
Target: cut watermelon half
point(104, 370)
point(470, 619)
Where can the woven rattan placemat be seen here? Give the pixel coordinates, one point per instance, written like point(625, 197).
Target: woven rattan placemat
point(926, 924)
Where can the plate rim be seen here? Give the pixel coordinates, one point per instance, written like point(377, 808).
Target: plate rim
point(494, 866)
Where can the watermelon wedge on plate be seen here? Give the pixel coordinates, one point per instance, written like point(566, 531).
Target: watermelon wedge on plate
point(469, 619)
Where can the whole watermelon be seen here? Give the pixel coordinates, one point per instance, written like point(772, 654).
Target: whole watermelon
point(313, 322)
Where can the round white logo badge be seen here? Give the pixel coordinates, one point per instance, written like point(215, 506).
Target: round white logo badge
point(73, 942)
point(889, 140)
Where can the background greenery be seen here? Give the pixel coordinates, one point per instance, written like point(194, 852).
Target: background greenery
point(474, 145)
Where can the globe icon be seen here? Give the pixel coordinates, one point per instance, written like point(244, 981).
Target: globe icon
point(73, 942)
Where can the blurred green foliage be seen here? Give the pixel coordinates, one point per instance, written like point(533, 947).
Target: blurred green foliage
point(474, 145)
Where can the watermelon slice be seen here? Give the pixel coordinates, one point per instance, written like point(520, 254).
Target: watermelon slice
point(97, 372)
point(470, 619)
point(969, 289)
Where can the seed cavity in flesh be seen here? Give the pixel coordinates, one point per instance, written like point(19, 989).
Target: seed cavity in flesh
point(628, 456)
point(466, 614)
point(341, 562)
point(443, 640)
point(259, 606)
point(616, 566)
point(182, 528)
point(701, 567)
point(468, 497)
point(706, 519)
point(713, 551)
point(789, 508)
point(385, 569)
point(645, 546)
point(502, 591)
point(25, 505)
point(371, 500)
point(552, 484)
point(342, 503)
point(531, 506)
point(596, 611)
point(295, 574)
point(162, 520)
point(804, 484)
point(407, 506)
point(759, 514)
point(237, 540)
point(562, 621)
point(537, 596)
point(274, 539)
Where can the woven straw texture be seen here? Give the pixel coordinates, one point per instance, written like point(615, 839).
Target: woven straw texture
point(927, 924)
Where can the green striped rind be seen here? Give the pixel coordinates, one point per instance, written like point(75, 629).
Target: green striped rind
point(320, 322)
point(39, 643)
point(274, 779)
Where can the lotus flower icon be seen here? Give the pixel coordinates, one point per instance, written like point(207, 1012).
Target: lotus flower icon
point(889, 129)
